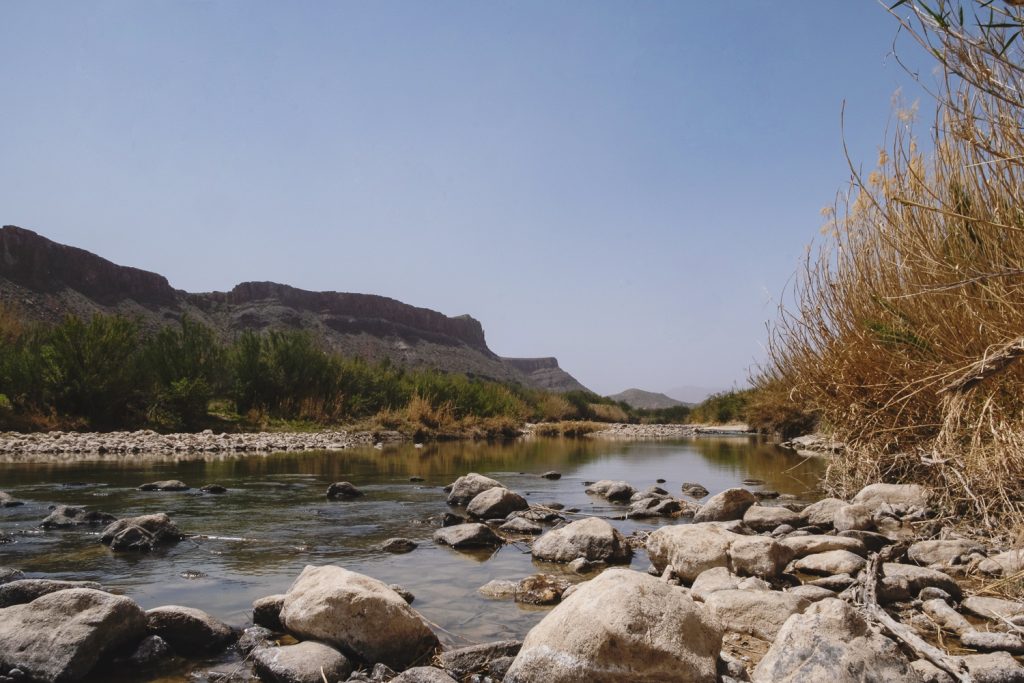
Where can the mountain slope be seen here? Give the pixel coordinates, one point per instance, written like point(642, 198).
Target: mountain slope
point(646, 400)
point(46, 280)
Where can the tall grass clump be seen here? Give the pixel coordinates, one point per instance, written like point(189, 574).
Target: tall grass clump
point(907, 326)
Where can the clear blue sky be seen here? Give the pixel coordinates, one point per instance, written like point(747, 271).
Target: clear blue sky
point(624, 185)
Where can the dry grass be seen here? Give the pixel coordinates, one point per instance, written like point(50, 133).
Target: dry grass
point(569, 428)
point(920, 276)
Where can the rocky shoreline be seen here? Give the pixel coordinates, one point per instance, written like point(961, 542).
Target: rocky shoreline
point(147, 441)
point(740, 588)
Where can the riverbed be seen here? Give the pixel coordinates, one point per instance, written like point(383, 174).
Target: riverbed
point(275, 518)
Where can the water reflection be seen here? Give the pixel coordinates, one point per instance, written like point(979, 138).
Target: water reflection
point(275, 518)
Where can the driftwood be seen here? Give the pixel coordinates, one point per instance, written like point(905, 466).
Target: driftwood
point(986, 366)
point(866, 595)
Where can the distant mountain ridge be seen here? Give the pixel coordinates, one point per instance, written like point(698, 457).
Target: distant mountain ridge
point(46, 280)
point(646, 400)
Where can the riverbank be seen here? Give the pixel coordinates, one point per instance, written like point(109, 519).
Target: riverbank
point(208, 441)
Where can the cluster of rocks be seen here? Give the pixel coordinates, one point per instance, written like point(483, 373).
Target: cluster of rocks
point(644, 431)
point(148, 441)
point(814, 446)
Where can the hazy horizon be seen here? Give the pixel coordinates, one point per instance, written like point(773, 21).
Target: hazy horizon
point(627, 188)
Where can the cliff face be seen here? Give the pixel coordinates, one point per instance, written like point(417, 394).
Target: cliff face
point(47, 280)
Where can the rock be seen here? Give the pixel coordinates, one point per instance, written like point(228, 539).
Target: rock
point(499, 589)
point(423, 674)
point(754, 612)
point(831, 642)
point(306, 662)
point(188, 630)
point(690, 548)
point(727, 505)
point(267, 611)
point(694, 490)
point(496, 502)
point(823, 512)
point(894, 529)
point(812, 545)
point(448, 519)
point(150, 652)
point(933, 593)
point(404, 592)
point(812, 593)
point(26, 590)
point(343, 490)
point(64, 516)
point(930, 673)
point(467, 536)
point(8, 574)
point(591, 538)
point(768, 517)
point(877, 496)
point(782, 531)
point(61, 636)
point(653, 507)
point(995, 667)
point(581, 565)
point(468, 487)
point(537, 515)
point(255, 637)
point(382, 672)
point(9, 501)
point(946, 617)
point(466, 661)
point(167, 485)
point(361, 616)
point(520, 526)
point(872, 541)
point(758, 556)
point(830, 563)
point(140, 533)
point(612, 490)
point(837, 583)
point(853, 518)
point(552, 475)
point(919, 577)
point(621, 626)
point(713, 580)
point(541, 589)
point(214, 488)
point(398, 545)
point(996, 609)
point(990, 642)
point(1003, 564)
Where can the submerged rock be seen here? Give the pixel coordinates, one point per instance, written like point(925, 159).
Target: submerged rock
point(359, 615)
point(61, 636)
point(9, 501)
point(541, 589)
point(621, 626)
point(63, 516)
point(343, 490)
point(166, 485)
point(615, 491)
point(591, 538)
point(398, 545)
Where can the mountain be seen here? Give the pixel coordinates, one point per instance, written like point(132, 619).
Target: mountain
point(691, 394)
point(646, 400)
point(46, 281)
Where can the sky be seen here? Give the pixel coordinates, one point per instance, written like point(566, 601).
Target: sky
point(627, 186)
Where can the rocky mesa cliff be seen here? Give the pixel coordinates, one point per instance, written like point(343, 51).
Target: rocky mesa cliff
point(46, 280)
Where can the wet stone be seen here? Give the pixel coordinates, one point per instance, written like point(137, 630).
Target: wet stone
point(166, 485)
point(398, 545)
point(343, 490)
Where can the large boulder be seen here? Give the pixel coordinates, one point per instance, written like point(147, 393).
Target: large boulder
point(621, 626)
point(758, 556)
point(496, 503)
point(189, 630)
point(823, 512)
point(690, 548)
point(831, 642)
point(591, 538)
point(944, 553)
point(306, 662)
point(467, 536)
point(141, 533)
point(61, 636)
point(468, 487)
point(760, 613)
point(768, 517)
point(64, 516)
point(359, 615)
point(26, 590)
point(728, 505)
point(878, 496)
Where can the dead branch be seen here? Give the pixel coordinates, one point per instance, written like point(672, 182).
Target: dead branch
point(986, 366)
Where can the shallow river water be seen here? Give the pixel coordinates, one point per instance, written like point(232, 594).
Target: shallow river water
point(275, 519)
